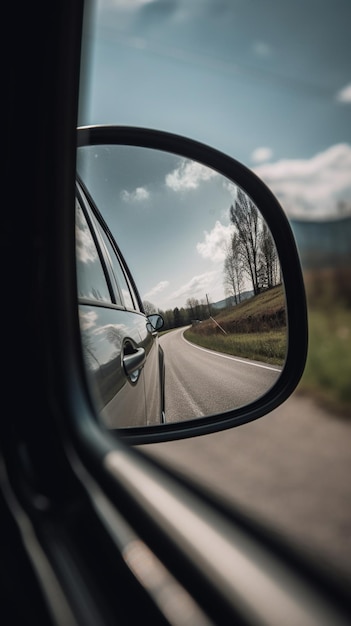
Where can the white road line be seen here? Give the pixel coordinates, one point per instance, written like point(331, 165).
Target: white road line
point(231, 358)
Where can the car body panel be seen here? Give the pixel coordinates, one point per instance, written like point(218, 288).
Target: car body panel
point(122, 356)
point(106, 334)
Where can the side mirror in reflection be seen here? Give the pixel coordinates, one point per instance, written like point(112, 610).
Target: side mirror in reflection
point(156, 322)
point(228, 285)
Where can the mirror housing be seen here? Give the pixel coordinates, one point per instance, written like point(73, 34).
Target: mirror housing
point(277, 222)
point(156, 321)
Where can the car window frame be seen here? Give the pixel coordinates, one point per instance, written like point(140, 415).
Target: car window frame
point(69, 501)
point(90, 207)
point(103, 261)
point(111, 254)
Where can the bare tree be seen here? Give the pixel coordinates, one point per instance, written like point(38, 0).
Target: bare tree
point(233, 271)
point(245, 217)
point(269, 261)
point(193, 305)
point(149, 308)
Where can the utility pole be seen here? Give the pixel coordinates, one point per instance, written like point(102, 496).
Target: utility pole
point(212, 318)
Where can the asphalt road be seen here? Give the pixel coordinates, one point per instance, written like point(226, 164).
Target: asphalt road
point(290, 469)
point(201, 382)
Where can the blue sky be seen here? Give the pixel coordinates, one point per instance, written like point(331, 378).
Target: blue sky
point(170, 217)
point(266, 81)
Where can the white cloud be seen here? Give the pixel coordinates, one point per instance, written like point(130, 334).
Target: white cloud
point(188, 175)
point(138, 195)
point(214, 245)
point(344, 95)
point(112, 331)
point(87, 319)
point(161, 286)
point(261, 154)
point(198, 286)
point(233, 190)
point(312, 187)
point(262, 49)
point(85, 248)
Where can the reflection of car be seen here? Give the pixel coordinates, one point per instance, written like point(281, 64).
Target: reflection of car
point(93, 532)
point(123, 358)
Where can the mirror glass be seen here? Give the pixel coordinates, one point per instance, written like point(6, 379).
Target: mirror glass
point(186, 243)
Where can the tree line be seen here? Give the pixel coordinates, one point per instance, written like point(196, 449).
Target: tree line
point(195, 310)
point(251, 256)
point(251, 263)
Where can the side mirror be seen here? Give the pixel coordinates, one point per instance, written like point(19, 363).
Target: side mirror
point(156, 322)
point(227, 280)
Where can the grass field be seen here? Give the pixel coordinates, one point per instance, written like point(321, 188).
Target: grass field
point(269, 347)
point(328, 369)
point(327, 374)
point(254, 329)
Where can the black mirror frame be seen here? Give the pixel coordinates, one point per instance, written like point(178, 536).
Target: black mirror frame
point(291, 269)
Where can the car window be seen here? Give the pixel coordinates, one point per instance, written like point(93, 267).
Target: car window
point(124, 287)
point(91, 281)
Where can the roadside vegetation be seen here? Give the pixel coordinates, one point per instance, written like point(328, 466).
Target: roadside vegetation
point(251, 265)
point(254, 329)
point(328, 370)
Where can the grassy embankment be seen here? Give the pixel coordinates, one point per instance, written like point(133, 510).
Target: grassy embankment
point(256, 329)
point(328, 369)
point(327, 374)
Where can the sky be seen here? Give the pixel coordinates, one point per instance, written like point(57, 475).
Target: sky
point(155, 193)
point(266, 81)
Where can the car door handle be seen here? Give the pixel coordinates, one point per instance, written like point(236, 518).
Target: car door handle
point(134, 361)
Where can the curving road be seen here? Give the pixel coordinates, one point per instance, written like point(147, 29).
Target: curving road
point(201, 382)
